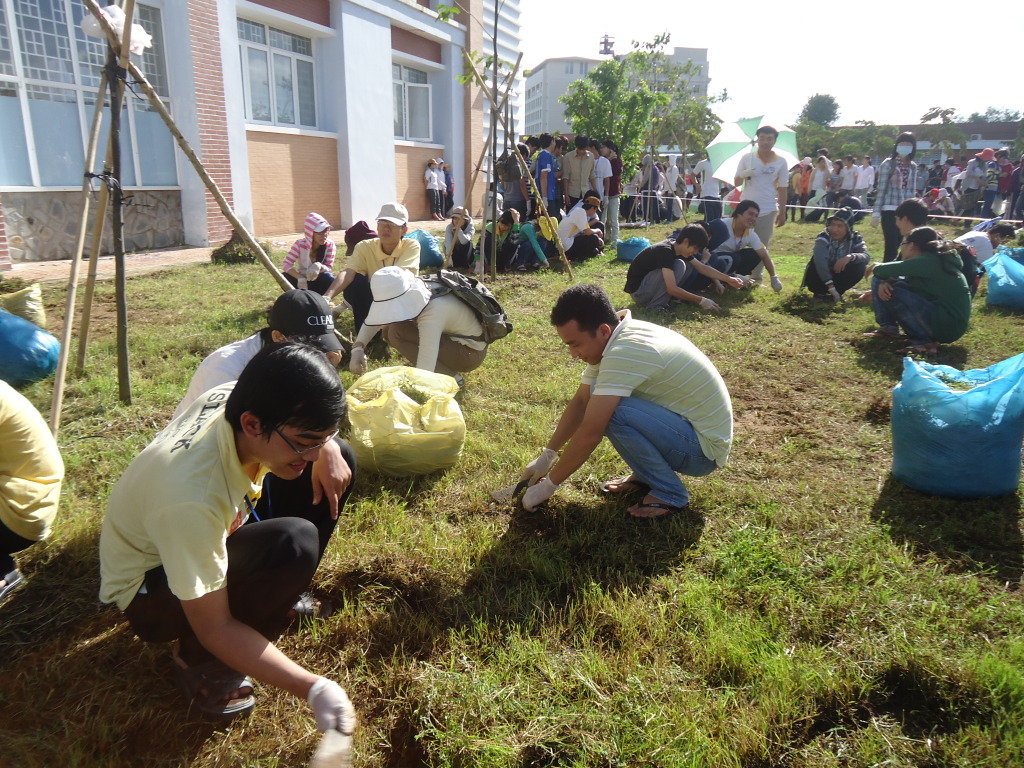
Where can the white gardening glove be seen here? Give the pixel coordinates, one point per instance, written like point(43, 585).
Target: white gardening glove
point(358, 362)
point(706, 303)
point(539, 493)
point(836, 296)
point(776, 283)
point(331, 707)
point(313, 271)
point(874, 221)
point(539, 467)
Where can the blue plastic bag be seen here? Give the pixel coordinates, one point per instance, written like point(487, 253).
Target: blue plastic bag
point(627, 250)
point(1005, 278)
point(958, 433)
point(27, 352)
point(430, 249)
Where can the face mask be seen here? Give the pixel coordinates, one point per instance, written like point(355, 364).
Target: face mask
point(904, 149)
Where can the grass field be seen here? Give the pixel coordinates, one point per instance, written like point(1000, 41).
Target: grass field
point(806, 611)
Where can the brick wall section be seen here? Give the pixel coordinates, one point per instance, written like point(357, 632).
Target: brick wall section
point(409, 42)
point(410, 164)
point(209, 96)
point(291, 176)
point(317, 11)
point(5, 254)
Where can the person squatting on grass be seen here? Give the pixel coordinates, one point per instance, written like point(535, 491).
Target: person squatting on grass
point(311, 258)
point(924, 293)
point(31, 471)
point(658, 399)
point(838, 260)
point(435, 331)
point(669, 271)
point(738, 247)
point(302, 317)
point(177, 558)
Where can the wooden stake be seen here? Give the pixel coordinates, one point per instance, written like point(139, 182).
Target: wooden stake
point(83, 226)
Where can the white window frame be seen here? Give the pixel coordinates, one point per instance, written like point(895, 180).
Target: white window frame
point(294, 58)
point(400, 82)
point(82, 92)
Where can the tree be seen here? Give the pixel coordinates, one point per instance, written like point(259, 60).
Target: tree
point(992, 115)
point(945, 134)
point(821, 109)
point(605, 104)
point(641, 99)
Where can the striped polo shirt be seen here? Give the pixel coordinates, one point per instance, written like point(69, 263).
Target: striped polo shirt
point(659, 365)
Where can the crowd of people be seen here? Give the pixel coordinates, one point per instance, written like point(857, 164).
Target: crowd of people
point(214, 533)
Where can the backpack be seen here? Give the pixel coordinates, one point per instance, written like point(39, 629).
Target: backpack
point(972, 268)
point(507, 167)
point(477, 297)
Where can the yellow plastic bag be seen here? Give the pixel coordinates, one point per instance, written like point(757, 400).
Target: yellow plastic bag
point(27, 303)
point(405, 421)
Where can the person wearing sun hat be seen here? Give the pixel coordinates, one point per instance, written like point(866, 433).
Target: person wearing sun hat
point(838, 260)
point(434, 331)
point(389, 248)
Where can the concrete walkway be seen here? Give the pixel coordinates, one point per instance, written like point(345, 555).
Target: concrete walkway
point(152, 261)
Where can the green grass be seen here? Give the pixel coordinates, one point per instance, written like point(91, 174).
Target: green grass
point(807, 610)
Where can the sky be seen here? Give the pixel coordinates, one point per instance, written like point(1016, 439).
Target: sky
point(772, 57)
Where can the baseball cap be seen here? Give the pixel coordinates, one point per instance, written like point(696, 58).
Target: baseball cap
point(322, 227)
point(306, 317)
point(988, 154)
point(458, 210)
point(396, 213)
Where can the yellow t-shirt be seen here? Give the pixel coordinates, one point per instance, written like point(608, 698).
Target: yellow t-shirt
point(368, 257)
point(31, 469)
point(176, 505)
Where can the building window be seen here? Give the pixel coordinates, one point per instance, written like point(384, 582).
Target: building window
point(49, 73)
point(583, 68)
point(411, 90)
point(277, 72)
point(568, 68)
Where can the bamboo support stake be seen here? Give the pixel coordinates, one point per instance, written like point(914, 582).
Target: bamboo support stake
point(211, 185)
point(532, 182)
point(83, 227)
point(124, 382)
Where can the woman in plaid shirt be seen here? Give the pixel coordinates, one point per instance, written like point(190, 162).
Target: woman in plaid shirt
point(896, 179)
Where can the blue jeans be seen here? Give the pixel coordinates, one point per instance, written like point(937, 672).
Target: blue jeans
point(904, 309)
point(656, 444)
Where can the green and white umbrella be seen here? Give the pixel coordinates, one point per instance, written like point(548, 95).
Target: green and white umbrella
point(740, 138)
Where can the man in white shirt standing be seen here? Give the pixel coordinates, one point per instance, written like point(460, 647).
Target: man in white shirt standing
point(708, 188)
point(602, 172)
point(765, 180)
point(865, 178)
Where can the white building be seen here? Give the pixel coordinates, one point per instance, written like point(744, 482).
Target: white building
point(332, 106)
point(545, 84)
point(548, 81)
point(509, 41)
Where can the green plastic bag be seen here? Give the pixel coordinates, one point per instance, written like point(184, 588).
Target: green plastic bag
point(405, 421)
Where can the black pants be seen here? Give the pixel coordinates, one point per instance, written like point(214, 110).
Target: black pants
point(892, 236)
point(10, 542)
point(320, 285)
point(583, 247)
point(744, 261)
point(359, 297)
point(506, 251)
point(271, 561)
point(462, 255)
point(711, 207)
point(841, 281)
